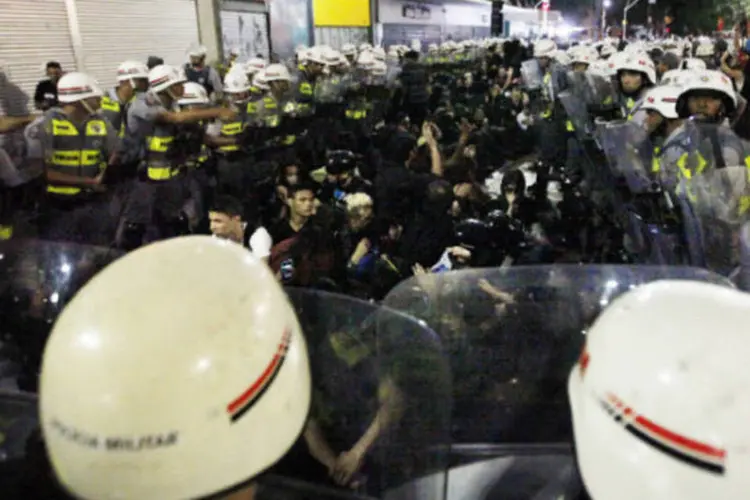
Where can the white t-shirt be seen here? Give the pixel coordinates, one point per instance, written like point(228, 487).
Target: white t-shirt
point(260, 243)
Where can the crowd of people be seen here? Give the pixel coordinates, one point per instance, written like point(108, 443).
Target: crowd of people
point(353, 169)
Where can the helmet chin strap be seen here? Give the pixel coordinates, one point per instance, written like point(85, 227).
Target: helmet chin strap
point(88, 108)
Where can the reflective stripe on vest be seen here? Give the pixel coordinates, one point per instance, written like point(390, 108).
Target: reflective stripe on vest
point(114, 113)
point(231, 130)
point(569, 126)
point(356, 114)
point(72, 156)
point(655, 162)
point(157, 148)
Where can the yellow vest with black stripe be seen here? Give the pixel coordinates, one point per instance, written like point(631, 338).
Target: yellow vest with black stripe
point(235, 128)
point(305, 93)
point(74, 152)
point(114, 112)
point(158, 144)
point(272, 119)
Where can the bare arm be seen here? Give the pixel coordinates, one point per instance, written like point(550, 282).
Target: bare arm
point(196, 115)
point(317, 444)
point(12, 123)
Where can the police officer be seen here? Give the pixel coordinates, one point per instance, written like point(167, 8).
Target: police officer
point(310, 71)
point(219, 348)
point(199, 72)
point(77, 144)
point(132, 78)
point(154, 124)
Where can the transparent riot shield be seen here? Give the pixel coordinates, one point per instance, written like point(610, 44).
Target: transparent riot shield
point(603, 106)
point(714, 209)
point(512, 336)
point(375, 370)
point(38, 279)
point(329, 90)
point(531, 74)
point(629, 153)
point(574, 101)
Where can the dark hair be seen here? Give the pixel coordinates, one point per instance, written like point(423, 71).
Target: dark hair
point(514, 178)
point(53, 65)
point(304, 185)
point(229, 205)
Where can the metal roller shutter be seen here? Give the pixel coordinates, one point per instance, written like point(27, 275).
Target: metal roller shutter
point(246, 31)
point(118, 30)
point(32, 32)
point(337, 37)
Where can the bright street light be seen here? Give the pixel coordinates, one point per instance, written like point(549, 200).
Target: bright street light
point(607, 4)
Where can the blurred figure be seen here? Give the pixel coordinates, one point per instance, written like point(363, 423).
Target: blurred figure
point(45, 96)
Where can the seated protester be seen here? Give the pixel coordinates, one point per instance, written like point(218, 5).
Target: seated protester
point(430, 230)
point(514, 202)
point(342, 178)
point(528, 212)
point(406, 172)
point(303, 251)
point(228, 221)
point(359, 238)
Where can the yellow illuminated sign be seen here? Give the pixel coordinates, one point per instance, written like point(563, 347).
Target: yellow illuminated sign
point(341, 13)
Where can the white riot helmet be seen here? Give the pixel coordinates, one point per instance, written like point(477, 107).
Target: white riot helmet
point(561, 57)
point(582, 55)
point(663, 100)
point(302, 54)
point(74, 87)
point(316, 55)
point(379, 68)
point(182, 400)
point(659, 397)
point(194, 94)
point(693, 64)
point(602, 68)
point(277, 73)
point(639, 63)
point(544, 48)
point(254, 64)
point(365, 60)
point(131, 70)
point(704, 49)
point(259, 80)
point(707, 81)
point(607, 50)
point(162, 77)
point(236, 82)
point(349, 50)
point(379, 54)
point(675, 77)
point(197, 51)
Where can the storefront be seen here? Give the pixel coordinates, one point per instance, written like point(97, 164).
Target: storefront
point(336, 26)
point(92, 36)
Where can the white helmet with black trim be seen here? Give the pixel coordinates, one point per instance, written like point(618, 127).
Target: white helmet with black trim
point(710, 81)
point(639, 63)
point(663, 100)
point(544, 48)
point(74, 87)
point(255, 64)
point(189, 398)
point(194, 94)
point(277, 73)
point(693, 63)
point(659, 396)
point(162, 77)
point(236, 82)
point(132, 70)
